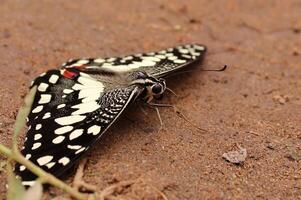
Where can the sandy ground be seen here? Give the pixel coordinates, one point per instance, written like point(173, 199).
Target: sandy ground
point(254, 104)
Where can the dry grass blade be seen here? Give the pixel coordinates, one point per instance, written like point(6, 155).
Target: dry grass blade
point(22, 114)
point(15, 188)
point(78, 182)
point(104, 194)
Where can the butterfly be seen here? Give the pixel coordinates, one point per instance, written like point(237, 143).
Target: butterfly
point(76, 104)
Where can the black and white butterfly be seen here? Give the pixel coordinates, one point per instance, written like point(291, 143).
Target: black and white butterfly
point(75, 105)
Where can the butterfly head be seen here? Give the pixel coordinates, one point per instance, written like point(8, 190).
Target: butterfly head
point(158, 87)
point(153, 87)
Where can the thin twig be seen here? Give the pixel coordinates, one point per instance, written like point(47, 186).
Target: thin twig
point(78, 181)
point(159, 191)
point(110, 190)
point(44, 176)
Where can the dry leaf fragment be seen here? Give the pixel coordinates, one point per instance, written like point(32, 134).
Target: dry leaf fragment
point(236, 157)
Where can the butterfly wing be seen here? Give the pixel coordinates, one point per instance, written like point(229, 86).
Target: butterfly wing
point(71, 110)
point(74, 106)
point(157, 64)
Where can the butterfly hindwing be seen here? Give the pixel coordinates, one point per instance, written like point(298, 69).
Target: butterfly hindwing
point(157, 64)
point(74, 106)
point(71, 110)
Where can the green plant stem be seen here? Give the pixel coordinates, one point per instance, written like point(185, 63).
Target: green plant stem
point(44, 176)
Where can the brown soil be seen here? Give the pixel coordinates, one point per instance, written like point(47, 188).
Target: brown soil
point(254, 104)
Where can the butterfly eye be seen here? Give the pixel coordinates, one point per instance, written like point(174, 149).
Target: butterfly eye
point(157, 88)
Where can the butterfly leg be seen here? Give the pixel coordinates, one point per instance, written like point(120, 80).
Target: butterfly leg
point(176, 110)
point(155, 106)
point(159, 116)
point(78, 182)
point(142, 109)
point(160, 105)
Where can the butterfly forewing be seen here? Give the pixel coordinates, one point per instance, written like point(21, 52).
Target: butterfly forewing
point(157, 64)
point(68, 115)
point(74, 106)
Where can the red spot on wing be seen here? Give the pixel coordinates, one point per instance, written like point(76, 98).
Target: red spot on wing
point(69, 74)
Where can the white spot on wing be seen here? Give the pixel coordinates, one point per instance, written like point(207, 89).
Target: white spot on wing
point(64, 161)
point(111, 59)
point(80, 150)
point(58, 139)
point(82, 62)
point(37, 109)
point(22, 168)
point(61, 106)
point(147, 63)
point(28, 156)
point(90, 82)
point(63, 130)
point(69, 119)
point(45, 98)
point(75, 147)
point(99, 60)
point(134, 65)
point(185, 51)
point(85, 108)
point(67, 91)
point(77, 87)
point(201, 48)
point(53, 78)
point(36, 145)
point(94, 129)
point(37, 136)
point(46, 115)
point(128, 58)
point(196, 53)
point(49, 165)
point(76, 133)
point(151, 58)
point(89, 93)
point(44, 160)
point(38, 126)
point(172, 58)
point(179, 61)
point(186, 56)
point(43, 87)
point(160, 56)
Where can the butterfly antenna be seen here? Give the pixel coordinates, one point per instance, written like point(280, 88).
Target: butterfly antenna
point(171, 91)
point(193, 70)
point(215, 70)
